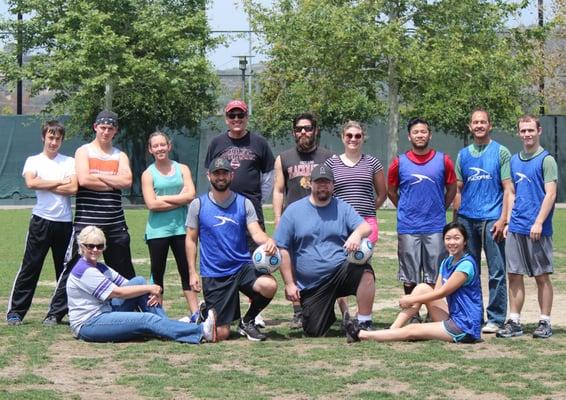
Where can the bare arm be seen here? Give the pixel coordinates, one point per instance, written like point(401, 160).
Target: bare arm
point(66, 186)
point(510, 203)
point(128, 292)
point(278, 191)
point(457, 200)
point(260, 237)
point(499, 225)
point(393, 194)
point(68, 189)
point(380, 189)
point(123, 179)
point(449, 194)
point(456, 280)
point(191, 241)
point(84, 177)
point(170, 202)
point(291, 290)
point(545, 208)
point(188, 192)
point(353, 242)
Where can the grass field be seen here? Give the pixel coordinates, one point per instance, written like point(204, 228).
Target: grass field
point(48, 363)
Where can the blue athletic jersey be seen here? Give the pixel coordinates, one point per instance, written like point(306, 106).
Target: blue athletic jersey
point(222, 236)
point(482, 193)
point(465, 305)
point(421, 207)
point(528, 179)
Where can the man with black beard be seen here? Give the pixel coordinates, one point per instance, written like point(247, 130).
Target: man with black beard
point(314, 236)
point(220, 218)
point(293, 168)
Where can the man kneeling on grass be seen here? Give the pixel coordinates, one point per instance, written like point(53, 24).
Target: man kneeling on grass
point(456, 319)
point(103, 304)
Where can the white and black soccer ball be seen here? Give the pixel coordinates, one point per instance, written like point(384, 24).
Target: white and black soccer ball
point(264, 263)
point(363, 254)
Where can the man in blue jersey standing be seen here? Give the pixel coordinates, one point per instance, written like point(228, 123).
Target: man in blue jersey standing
point(220, 219)
point(484, 184)
point(422, 185)
point(529, 233)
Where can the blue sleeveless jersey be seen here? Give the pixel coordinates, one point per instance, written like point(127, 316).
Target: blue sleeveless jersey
point(465, 305)
point(222, 236)
point(528, 179)
point(421, 196)
point(482, 194)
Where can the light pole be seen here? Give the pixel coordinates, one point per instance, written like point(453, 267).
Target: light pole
point(243, 64)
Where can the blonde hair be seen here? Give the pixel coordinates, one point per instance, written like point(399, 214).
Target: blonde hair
point(352, 124)
point(91, 234)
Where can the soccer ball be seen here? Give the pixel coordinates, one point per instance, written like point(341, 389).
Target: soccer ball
point(264, 263)
point(363, 254)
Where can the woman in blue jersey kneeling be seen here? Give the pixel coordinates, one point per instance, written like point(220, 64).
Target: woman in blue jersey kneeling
point(456, 319)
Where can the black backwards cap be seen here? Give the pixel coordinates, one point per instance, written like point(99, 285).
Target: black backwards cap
point(106, 117)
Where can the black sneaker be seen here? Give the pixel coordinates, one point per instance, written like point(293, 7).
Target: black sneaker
point(13, 319)
point(51, 320)
point(202, 313)
point(543, 331)
point(366, 326)
point(510, 329)
point(251, 331)
point(345, 319)
point(352, 329)
point(297, 321)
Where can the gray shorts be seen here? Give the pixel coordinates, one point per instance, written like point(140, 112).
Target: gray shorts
point(420, 257)
point(527, 257)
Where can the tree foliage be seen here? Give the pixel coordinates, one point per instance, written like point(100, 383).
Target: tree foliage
point(336, 57)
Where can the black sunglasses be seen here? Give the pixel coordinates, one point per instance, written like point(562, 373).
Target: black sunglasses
point(234, 115)
point(306, 128)
point(92, 246)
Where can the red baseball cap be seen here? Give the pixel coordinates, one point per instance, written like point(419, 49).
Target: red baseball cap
point(234, 104)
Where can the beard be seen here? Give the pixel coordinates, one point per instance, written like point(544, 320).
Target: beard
point(322, 195)
point(220, 186)
point(305, 143)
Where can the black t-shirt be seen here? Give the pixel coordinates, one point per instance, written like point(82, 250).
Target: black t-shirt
point(249, 156)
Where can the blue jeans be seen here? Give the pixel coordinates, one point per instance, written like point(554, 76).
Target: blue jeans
point(123, 323)
point(479, 232)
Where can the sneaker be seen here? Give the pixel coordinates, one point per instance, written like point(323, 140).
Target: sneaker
point(209, 327)
point(195, 317)
point(366, 326)
point(297, 321)
point(345, 319)
point(416, 319)
point(490, 327)
point(259, 322)
point(202, 312)
point(543, 331)
point(510, 329)
point(13, 319)
point(251, 331)
point(352, 329)
point(51, 320)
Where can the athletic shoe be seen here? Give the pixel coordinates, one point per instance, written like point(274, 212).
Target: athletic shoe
point(202, 312)
point(415, 319)
point(195, 317)
point(366, 325)
point(13, 319)
point(259, 322)
point(297, 321)
point(352, 329)
point(490, 327)
point(543, 331)
point(251, 331)
point(510, 329)
point(51, 320)
point(209, 327)
point(345, 319)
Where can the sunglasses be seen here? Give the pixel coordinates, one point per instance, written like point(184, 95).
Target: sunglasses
point(92, 246)
point(356, 136)
point(234, 115)
point(306, 128)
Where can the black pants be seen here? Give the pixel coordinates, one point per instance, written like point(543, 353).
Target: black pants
point(117, 255)
point(158, 249)
point(42, 236)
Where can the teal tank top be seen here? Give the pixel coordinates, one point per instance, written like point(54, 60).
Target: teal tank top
point(162, 224)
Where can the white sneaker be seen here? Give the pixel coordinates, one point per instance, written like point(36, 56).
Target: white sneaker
point(259, 321)
point(209, 327)
point(186, 319)
point(490, 327)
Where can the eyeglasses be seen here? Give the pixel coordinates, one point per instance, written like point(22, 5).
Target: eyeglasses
point(92, 246)
point(356, 136)
point(234, 115)
point(306, 128)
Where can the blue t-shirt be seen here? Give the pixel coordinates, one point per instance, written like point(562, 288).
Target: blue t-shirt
point(314, 237)
point(465, 305)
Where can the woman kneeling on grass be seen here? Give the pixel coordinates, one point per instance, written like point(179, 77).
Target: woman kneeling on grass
point(456, 319)
point(103, 304)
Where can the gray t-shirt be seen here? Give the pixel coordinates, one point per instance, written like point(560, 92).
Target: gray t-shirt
point(194, 209)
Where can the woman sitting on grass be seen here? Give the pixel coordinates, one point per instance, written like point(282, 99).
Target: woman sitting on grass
point(456, 319)
point(103, 304)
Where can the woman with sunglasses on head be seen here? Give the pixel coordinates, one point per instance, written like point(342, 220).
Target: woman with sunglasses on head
point(359, 181)
point(168, 188)
point(103, 304)
point(456, 319)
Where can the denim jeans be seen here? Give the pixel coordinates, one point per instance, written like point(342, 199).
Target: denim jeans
point(479, 232)
point(124, 323)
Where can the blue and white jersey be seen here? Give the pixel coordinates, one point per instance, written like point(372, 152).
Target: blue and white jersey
point(421, 208)
point(528, 180)
point(88, 288)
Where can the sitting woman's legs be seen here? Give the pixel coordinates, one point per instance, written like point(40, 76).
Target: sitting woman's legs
point(437, 309)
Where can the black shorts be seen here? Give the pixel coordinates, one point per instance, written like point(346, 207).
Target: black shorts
point(318, 303)
point(222, 293)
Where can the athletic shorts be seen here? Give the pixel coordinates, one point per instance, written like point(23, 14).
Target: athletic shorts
point(420, 257)
point(458, 335)
point(528, 257)
point(222, 293)
point(374, 235)
point(318, 303)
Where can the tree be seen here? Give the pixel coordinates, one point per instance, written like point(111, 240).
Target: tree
point(395, 58)
point(147, 58)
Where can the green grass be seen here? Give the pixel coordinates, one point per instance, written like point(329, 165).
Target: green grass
point(41, 363)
